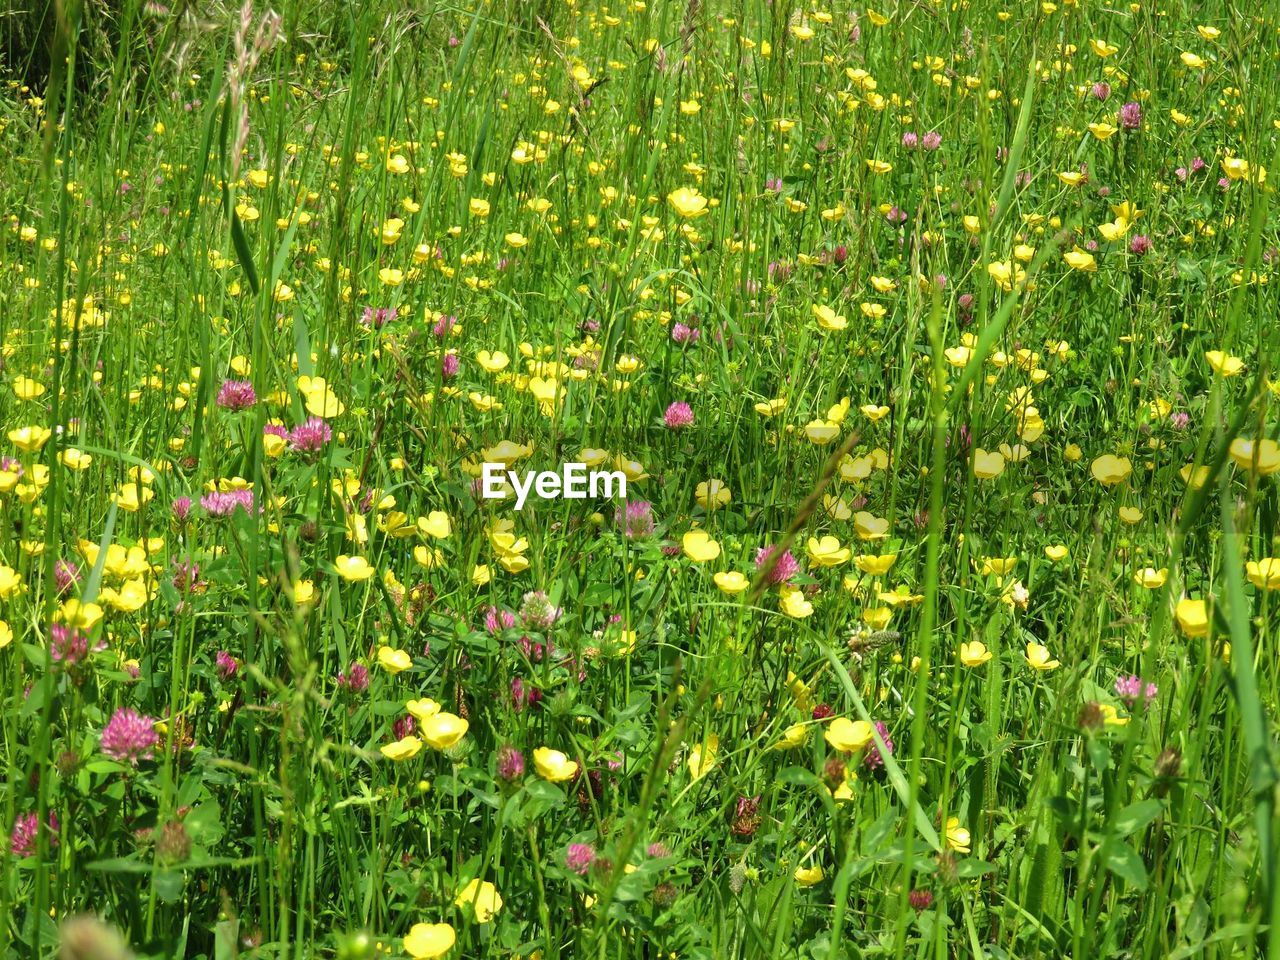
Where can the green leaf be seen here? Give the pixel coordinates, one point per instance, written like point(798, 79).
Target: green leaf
point(1136, 816)
point(243, 254)
point(797, 775)
point(1122, 860)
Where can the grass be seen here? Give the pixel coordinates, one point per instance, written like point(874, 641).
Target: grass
point(981, 293)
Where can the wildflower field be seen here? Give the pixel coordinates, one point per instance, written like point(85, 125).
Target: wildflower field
point(934, 343)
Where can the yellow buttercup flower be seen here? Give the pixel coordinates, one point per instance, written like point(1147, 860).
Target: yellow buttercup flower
point(974, 653)
point(553, 765)
point(699, 547)
point(792, 602)
point(1193, 617)
point(702, 758)
point(1039, 658)
point(1150, 578)
point(481, 897)
point(731, 582)
point(957, 836)
point(402, 749)
point(1265, 573)
point(848, 736)
point(827, 552)
point(426, 941)
point(354, 569)
point(1262, 456)
point(1080, 260)
point(394, 661)
point(688, 202)
point(809, 876)
point(987, 465)
point(29, 439)
point(1224, 363)
point(443, 730)
point(1110, 470)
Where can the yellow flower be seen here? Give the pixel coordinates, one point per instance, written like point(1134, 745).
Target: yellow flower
point(435, 524)
point(6, 635)
point(1150, 578)
point(875, 566)
point(10, 582)
point(1193, 617)
point(426, 941)
point(443, 730)
point(731, 582)
point(1057, 552)
point(957, 836)
point(482, 897)
point(870, 527)
point(1110, 716)
point(1102, 48)
point(1224, 363)
point(828, 319)
point(879, 166)
point(1130, 515)
point(319, 399)
point(794, 736)
point(1039, 658)
point(423, 709)
point(711, 494)
point(1109, 470)
point(353, 569)
point(987, 465)
point(1265, 573)
point(553, 765)
point(30, 439)
point(86, 616)
point(793, 603)
point(478, 206)
point(699, 547)
point(1237, 168)
point(402, 749)
point(394, 661)
point(1193, 476)
point(1080, 260)
point(1260, 455)
point(974, 653)
point(848, 736)
point(702, 758)
point(808, 876)
point(494, 362)
point(821, 432)
point(827, 552)
point(688, 202)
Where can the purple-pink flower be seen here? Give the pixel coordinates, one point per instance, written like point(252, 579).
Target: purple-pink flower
point(224, 503)
point(783, 570)
point(129, 736)
point(236, 395)
point(26, 831)
point(636, 519)
point(579, 857)
point(309, 437)
point(678, 416)
point(1131, 689)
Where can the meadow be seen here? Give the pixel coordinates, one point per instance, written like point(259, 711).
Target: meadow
point(936, 342)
